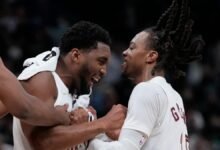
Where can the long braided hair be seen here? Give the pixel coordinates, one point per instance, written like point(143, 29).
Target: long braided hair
point(172, 38)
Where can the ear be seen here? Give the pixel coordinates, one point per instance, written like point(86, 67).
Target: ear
point(151, 56)
point(75, 55)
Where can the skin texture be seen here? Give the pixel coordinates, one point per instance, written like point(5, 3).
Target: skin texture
point(139, 59)
point(28, 108)
point(75, 68)
point(3, 110)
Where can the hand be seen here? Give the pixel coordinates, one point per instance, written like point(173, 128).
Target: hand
point(113, 134)
point(79, 115)
point(93, 111)
point(63, 114)
point(115, 118)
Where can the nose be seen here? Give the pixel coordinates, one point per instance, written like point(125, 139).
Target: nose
point(103, 70)
point(124, 54)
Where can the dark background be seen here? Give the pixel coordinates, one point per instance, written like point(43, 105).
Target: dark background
point(28, 27)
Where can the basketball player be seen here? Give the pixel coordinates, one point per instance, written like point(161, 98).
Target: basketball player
point(156, 117)
point(54, 76)
point(15, 100)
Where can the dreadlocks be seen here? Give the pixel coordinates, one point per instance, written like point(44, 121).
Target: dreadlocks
point(172, 38)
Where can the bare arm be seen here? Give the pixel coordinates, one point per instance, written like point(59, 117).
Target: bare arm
point(28, 107)
point(43, 86)
point(62, 137)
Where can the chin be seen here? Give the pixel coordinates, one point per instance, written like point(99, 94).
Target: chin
point(125, 74)
point(84, 90)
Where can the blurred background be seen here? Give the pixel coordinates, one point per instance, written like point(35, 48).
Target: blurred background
point(28, 27)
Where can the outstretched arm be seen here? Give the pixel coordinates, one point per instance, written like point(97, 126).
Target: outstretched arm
point(25, 106)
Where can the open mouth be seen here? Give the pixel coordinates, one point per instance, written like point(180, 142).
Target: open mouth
point(95, 79)
point(124, 64)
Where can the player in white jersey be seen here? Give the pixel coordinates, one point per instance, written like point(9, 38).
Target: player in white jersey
point(15, 100)
point(54, 78)
point(156, 117)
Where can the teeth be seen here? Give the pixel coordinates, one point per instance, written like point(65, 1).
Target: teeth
point(96, 79)
point(124, 63)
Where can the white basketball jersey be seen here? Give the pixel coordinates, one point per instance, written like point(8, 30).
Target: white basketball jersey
point(63, 97)
point(171, 133)
point(47, 61)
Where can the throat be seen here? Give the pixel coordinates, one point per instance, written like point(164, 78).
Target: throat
point(65, 74)
point(147, 75)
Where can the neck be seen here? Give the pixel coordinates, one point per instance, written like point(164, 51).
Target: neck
point(64, 73)
point(147, 75)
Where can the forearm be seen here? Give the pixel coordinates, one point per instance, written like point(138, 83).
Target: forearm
point(10, 94)
point(97, 144)
point(128, 140)
point(61, 137)
point(23, 105)
point(38, 113)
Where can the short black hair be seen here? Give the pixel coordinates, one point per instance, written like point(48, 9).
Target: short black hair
point(84, 35)
point(172, 38)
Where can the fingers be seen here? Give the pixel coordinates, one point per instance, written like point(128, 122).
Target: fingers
point(93, 111)
point(115, 117)
point(65, 107)
point(63, 112)
point(122, 110)
point(62, 108)
point(79, 115)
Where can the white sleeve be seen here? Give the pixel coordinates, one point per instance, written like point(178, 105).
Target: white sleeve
point(143, 109)
point(128, 140)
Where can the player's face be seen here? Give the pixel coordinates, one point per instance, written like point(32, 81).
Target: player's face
point(134, 56)
point(95, 65)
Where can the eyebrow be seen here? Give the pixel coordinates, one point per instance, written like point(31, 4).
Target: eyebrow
point(131, 43)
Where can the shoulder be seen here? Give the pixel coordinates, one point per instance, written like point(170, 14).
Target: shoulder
point(41, 85)
point(143, 92)
point(147, 93)
point(145, 88)
point(41, 79)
